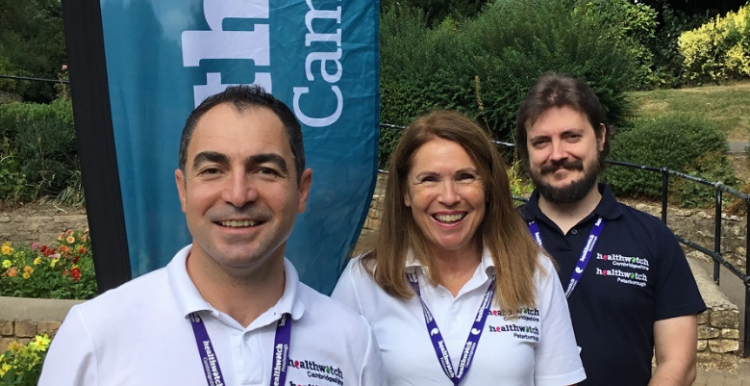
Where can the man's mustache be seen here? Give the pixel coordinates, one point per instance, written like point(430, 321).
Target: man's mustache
point(554, 166)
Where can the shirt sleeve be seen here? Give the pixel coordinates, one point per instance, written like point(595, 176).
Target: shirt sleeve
point(71, 360)
point(677, 293)
point(373, 373)
point(557, 359)
point(345, 291)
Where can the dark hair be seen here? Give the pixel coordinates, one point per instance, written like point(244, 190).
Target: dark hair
point(552, 90)
point(244, 97)
point(501, 231)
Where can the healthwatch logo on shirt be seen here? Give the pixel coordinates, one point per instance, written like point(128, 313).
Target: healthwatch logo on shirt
point(519, 331)
point(624, 261)
point(525, 313)
point(315, 370)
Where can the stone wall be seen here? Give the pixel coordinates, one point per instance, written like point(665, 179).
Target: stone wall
point(698, 226)
point(44, 229)
point(21, 318)
point(718, 327)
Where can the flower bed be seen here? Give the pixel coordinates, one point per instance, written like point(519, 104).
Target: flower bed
point(61, 271)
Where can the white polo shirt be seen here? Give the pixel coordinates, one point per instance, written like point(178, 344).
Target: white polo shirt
point(537, 348)
point(140, 334)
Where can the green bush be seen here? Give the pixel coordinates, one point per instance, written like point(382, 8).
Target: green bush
point(484, 66)
point(668, 62)
point(718, 50)
point(679, 142)
point(38, 157)
point(633, 23)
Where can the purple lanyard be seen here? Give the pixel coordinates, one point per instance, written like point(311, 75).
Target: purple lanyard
point(437, 338)
point(211, 362)
point(583, 261)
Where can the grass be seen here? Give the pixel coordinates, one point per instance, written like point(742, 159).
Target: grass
point(727, 105)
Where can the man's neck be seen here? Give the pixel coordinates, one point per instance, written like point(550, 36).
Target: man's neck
point(243, 297)
point(566, 216)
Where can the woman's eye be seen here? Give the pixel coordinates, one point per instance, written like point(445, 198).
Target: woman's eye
point(428, 179)
point(466, 178)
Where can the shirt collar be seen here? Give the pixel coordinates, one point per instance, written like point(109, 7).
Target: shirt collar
point(486, 264)
point(608, 207)
point(189, 300)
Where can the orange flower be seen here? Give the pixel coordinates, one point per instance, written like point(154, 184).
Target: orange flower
point(71, 239)
point(82, 250)
point(12, 272)
point(63, 249)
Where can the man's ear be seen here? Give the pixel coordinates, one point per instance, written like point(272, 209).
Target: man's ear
point(179, 179)
point(305, 183)
point(602, 137)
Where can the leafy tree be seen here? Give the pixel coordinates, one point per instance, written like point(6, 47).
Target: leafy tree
point(435, 11)
point(32, 43)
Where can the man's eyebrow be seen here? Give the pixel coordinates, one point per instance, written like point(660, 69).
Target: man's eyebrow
point(573, 130)
point(258, 159)
point(210, 156)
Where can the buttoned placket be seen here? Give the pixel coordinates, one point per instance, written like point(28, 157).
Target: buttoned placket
point(448, 310)
point(248, 359)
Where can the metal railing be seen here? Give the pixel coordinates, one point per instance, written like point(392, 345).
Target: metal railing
point(715, 254)
point(34, 79)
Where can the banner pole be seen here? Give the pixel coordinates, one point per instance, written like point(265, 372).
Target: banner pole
point(95, 141)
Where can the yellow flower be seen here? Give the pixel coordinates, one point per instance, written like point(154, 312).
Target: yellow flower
point(38, 261)
point(4, 369)
point(6, 249)
point(6, 263)
point(14, 346)
point(53, 262)
point(41, 342)
point(71, 239)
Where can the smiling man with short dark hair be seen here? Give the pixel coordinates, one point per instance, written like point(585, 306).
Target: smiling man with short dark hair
point(228, 309)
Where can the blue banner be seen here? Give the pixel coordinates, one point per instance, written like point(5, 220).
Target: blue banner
point(318, 56)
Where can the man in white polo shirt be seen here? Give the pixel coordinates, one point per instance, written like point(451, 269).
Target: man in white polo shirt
point(228, 309)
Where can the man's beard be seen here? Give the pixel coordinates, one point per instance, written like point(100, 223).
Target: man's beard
point(572, 193)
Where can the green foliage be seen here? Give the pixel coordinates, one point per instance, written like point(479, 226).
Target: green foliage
point(679, 142)
point(668, 61)
point(484, 66)
point(21, 365)
point(719, 50)
point(436, 11)
point(38, 157)
point(633, 23)
point(64, 271)
point(32, 43)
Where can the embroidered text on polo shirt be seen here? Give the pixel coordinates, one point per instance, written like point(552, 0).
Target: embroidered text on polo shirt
point(527, 314)
point(624, 261)
point(315, 370)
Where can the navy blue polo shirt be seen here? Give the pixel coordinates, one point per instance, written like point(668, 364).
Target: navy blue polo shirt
point(637, 274)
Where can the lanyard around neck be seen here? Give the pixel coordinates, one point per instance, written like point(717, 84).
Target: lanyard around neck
point(583, 261)
point(211, 362)
point(438, 343)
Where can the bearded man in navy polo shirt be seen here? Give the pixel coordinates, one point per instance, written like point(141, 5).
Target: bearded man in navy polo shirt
point(628, 284)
